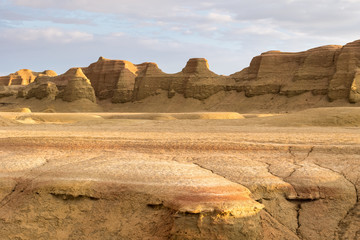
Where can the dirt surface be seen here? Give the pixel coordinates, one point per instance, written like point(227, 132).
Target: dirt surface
point(180, 175)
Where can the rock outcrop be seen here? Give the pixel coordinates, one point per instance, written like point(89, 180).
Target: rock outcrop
point(329, 71)
point(78, 87)
point(24, 77)
point(70, 86)
point(347, 62)
point(40, 89)
point(194, 81)
point(289, 74)
point(6, 91)
point(354, 95)
point(110, 76)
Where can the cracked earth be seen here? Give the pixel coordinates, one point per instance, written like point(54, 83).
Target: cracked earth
point(178, 179)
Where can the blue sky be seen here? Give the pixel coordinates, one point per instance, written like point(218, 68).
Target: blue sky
point(57, 35)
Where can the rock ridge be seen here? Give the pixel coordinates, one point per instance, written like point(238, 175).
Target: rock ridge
point(331, 71)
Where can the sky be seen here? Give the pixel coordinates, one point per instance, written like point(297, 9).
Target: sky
point(58, 35)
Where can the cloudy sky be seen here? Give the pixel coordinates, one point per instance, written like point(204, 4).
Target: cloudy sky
point(59, 34)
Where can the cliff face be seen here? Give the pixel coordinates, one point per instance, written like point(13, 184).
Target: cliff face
point(347, 63)
point(194, 81)
point(290, 73)
point(78, 87)
point(328, 70)
point(331, 71)
point(106, 74)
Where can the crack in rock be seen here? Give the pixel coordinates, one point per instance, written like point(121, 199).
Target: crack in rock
point(356, 192)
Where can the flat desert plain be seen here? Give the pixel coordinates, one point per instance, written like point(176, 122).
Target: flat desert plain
point(180, 175)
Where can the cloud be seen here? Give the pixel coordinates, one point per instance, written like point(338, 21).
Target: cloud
point(291, 16)
point(218, 17)
point(228, 32)
point(53, 35)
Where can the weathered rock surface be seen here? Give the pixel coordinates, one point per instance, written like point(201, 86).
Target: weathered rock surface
point(289, 73)
point(354, 95)
point(327, 70)
point(195, 180)
point(6, 91)
point(24, 77)
point(78, 87)
point(40, 89)
point(194, 81)
point(347, 62)
point(110, 76)
point(330, 71)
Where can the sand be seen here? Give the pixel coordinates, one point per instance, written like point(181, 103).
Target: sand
point(230, 101)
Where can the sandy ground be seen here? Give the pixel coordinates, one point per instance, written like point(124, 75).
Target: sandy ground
point(199, 175)
point(230, 101)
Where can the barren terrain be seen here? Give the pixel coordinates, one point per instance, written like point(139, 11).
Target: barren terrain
point(180, 175)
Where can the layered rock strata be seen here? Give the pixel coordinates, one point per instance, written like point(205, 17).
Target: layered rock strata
point(24, 77)
point(329, 71)
point(78, 87)
point(70, 86)
point(40, 89)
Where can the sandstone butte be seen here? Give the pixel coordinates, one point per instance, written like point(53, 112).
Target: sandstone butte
point(184, 175)
point(330, 71)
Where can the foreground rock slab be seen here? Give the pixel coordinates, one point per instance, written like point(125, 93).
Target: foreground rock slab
point(137, 178)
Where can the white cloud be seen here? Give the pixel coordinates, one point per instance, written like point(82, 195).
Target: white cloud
point(49, 34)
point(218, 30)
point(220, 17)
point(307, 16)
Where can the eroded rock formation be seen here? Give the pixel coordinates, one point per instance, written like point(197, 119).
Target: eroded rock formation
point(40, 89)
point(78, 87)
point(24, 77)
point(328, 71)
point(289, 74)
point(5, 91)
point(70, 86)
point(354, 96)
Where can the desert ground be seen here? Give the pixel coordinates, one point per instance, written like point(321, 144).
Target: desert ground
point(194, 175)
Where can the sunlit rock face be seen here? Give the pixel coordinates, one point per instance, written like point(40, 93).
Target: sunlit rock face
point(78, 87)
point(328, 71)
point(347, 62)
point(40, 89)
point(24, 77)
point(354, 96)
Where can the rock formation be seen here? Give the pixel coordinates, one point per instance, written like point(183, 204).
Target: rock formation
point(354, 96)
point(346, 62)
point(78, 87)
point(329, 71)
point(110, 76)
point(70, 86)
point(24, 77)
point(5, 91)
point(40, 88)
point(289, 73)
point(123, 81)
